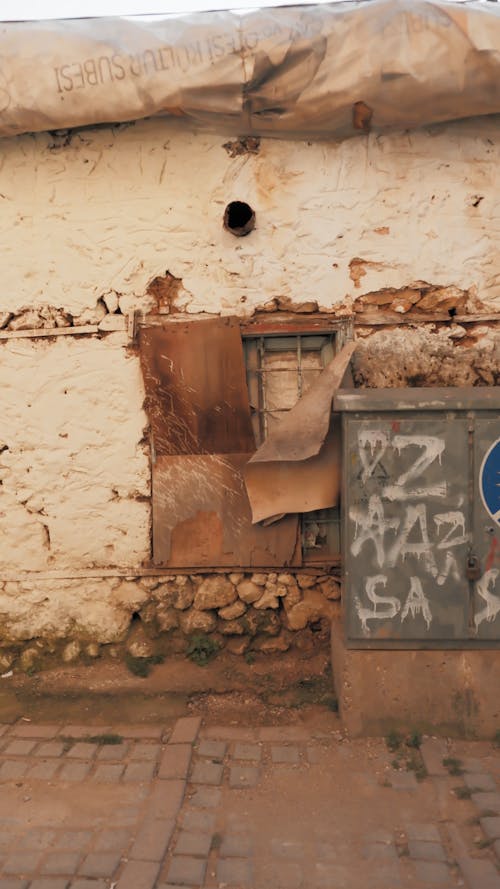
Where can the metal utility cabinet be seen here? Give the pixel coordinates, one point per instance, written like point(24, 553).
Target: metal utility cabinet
point(421, 526)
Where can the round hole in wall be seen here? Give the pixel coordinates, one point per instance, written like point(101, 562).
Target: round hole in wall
point(239, 218)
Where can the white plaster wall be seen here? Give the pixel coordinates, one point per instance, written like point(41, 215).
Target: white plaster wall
point(72, 465)
point(116, 207)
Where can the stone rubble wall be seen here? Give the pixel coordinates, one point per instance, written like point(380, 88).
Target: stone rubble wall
point(101, 222)
point(159, 615)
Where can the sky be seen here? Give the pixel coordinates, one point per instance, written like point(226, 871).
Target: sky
point(19, 10)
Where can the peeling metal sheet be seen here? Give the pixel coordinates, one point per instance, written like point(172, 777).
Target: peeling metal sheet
point(286, 487)
point(325, 71)
point(302, 431)
point(202, 518)
point(196, 391)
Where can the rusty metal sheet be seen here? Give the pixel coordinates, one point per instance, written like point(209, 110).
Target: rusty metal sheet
point(302, 431)
point(291, 486)
point(196, 392)
point(202, 518)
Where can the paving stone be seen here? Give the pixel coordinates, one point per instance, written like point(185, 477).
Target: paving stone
point(100, 864)
point(37, 838)
point(403, 781)
point(112, 840)
point(314, 755)
point(43, 771)
point(73, 839)
point(49, 883)
point(491, 827)
point(433, 872)
point(433, 751)
point(235, 822)
point(186, 871)
point(139, 771)
point(13, 884)
point(74, 771)
point(380, 852)
point(424, 851)
point(206, 797)
point(482, 782)
point(243, 776)
point(82, 750)
point(112, 752)
point(21, 863)
point(248, 752)
point(61, 863)
point(175, 761)
point(326, 852)
point(285, 874)
point(126, 816)
point(487, 802)
point(207, 773)
point(426, 833)
point(147, 752)
point(28, 730)
point(19, 748)
point(479, 873)
point(287, 849)
point(193, 843)
point(138, 875)
point(213, 749)
point(152, 840)
point(383, 836)
point(236, 845)
point(284, 733)
point(285, 754)
point(83, 883)
point(473, 765)
point(166, 799)
point(234, 872)
point(108, 773)
point(230, 733)
point(50, 748)
point(85, 731)
point(155, 732)
point(12, 769)
point(185, 730)
point(198, 819)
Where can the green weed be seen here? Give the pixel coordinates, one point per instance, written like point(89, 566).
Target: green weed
point(201, 649)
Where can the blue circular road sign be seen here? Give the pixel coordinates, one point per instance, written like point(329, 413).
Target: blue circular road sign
point(489, 481)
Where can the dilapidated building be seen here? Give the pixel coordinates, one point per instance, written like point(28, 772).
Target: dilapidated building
point(172, 286)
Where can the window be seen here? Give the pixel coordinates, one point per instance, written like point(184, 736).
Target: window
point(279, 371)
point(215, 390)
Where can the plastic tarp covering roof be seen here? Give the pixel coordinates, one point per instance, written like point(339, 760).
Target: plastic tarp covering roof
point(323, 71)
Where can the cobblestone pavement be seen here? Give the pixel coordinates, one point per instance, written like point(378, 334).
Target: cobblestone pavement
point(150, 807)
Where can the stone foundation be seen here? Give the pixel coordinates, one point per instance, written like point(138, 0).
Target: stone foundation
point(153, 616)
